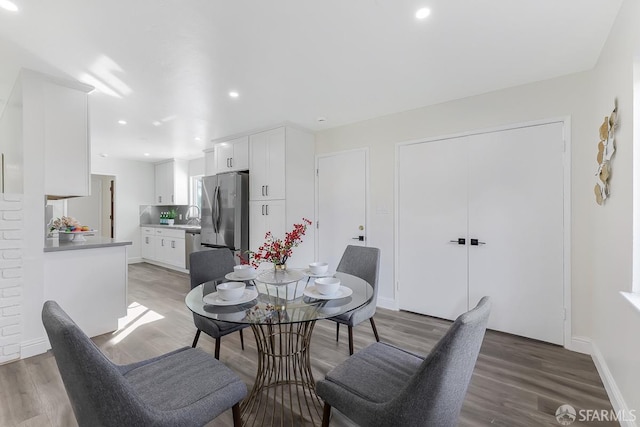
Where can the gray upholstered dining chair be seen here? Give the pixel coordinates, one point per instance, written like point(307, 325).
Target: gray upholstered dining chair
point(186, 387)
point(205, 266)
point(383, 385)
point(364, 263)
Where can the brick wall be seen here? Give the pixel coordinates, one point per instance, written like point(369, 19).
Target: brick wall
point(11, 241)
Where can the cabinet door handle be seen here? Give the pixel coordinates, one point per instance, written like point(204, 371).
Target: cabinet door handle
point(460, 241)
point(267, 190)
point(172, 201)
point(267, 209)
point(173, 244)
point(263, 190)
point(476, 242)
point(161, 242)
point(159, 199)
point(263, 210)
point(146, 240)
point(231, 162)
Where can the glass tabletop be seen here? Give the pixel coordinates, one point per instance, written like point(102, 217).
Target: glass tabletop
point(275, 304)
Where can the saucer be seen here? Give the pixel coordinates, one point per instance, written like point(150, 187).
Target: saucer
point(233, 276)
point(214, 299)
point(342, 292)
point(308, 272)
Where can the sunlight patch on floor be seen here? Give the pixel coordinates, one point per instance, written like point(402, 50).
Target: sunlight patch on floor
point(137, 315)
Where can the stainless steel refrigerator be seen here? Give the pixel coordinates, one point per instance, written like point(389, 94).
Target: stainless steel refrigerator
point(225, 211)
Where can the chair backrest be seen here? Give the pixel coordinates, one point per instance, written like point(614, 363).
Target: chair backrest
point(363, 262)
point(98, 392)
point(436, 392)
point(210, 265)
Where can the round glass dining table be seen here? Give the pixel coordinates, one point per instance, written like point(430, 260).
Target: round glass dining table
point(281, 308)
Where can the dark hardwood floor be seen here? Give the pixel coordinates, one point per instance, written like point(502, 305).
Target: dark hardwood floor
point(516, 382)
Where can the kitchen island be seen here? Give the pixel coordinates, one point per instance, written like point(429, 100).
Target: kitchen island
point(89, 281)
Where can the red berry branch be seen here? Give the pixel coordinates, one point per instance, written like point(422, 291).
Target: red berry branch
point(276, 250)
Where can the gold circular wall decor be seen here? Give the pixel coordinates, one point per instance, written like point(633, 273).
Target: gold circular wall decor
point(606, 149)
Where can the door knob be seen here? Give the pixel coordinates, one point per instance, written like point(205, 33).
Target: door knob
point(359, 238)
point(460, 241)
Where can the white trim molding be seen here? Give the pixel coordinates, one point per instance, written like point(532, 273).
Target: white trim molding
point(615, 396)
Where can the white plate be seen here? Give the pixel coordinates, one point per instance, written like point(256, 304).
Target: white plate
point(235, 277)
point(342, 292)
point(214, 299)
point(308, 272)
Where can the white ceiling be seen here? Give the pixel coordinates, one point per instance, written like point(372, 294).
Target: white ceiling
point(175, 61)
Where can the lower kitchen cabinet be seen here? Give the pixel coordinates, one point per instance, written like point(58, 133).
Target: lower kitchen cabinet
point(165, 246)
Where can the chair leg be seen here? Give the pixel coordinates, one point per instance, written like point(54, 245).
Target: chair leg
point(237, 421)
point(326, 415)
point(241, 340)
point(375, 330)
point(337, 331)
point(195, 340)
point(217, 352)
point(350, 340)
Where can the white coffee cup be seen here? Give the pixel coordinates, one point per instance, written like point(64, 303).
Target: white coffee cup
point(318, 267)
point(230, 291)
point(243, 271)
point(327, 285)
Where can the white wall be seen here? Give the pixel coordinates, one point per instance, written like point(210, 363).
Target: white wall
point(134, 186)
point(549, 99)
point(601, 245)
point(615, 324)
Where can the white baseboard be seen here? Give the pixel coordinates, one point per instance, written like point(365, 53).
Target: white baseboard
point(615, 396)
point(34, 347)
point(580, 345)
point(388, 303)
point(134, 260)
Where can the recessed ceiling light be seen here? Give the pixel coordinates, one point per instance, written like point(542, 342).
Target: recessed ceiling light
point(322, 119)
point(423, 13)
point(157, 123)
point(8, 5)
point(234, 94)
point(146, 154)
point(197, 139)
point(104, 155)
point(122, 122)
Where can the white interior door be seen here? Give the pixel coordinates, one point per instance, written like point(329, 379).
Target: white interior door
point(516, 209)
point(505, 191)
point(432, 211)
point(342, 200)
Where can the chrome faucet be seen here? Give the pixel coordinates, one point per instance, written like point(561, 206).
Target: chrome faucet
point(193, 219)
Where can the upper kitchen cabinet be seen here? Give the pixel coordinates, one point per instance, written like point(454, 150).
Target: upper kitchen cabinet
point(227, 156)
point(172, 182)
point(267, 161)
point(49, 115)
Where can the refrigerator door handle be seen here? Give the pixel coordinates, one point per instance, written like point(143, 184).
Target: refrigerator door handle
point(214, 208)
point(218, 210)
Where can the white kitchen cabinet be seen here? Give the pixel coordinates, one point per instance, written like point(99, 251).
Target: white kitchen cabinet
point(227, 156)
point(267, 164)
point(148, 239)
point(50, 116)
point(67, 148)
point(269, 215)
point(281, 188)
point(165, 246)
point(172, 182)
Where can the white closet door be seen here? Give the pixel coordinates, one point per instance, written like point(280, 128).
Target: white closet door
point(432, 210)
point(516, 208)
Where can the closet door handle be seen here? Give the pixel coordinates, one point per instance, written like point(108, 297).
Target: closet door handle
point(460, 241)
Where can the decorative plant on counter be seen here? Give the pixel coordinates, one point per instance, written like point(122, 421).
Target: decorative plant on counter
point(277, 251)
